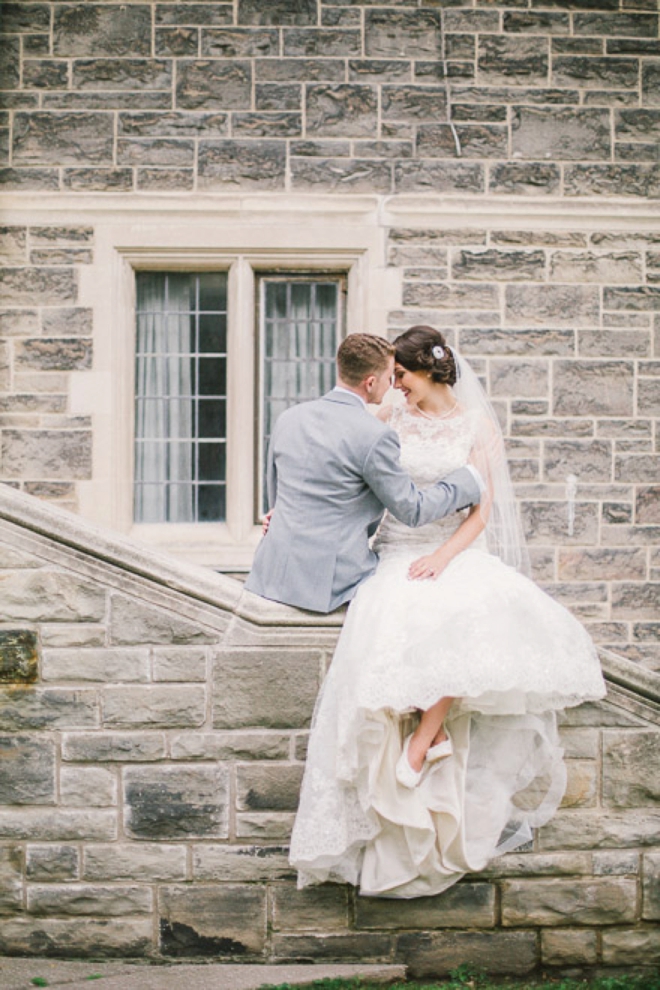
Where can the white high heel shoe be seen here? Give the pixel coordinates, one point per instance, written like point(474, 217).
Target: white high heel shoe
point(438, 752)
point(405, 774)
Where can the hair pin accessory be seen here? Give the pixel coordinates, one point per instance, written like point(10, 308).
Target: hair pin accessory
point(438, 352)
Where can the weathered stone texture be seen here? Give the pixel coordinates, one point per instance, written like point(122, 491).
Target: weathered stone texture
point(214, 920)
point(176, 802)
point(19, 656)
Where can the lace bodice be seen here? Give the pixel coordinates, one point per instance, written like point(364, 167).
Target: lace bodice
point(430, 450)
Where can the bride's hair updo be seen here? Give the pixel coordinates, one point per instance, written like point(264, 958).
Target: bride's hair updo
point(424, 349)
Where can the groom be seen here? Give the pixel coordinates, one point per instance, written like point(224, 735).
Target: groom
point(332, 471)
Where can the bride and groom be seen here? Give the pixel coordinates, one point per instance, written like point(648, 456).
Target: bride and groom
point(434, 745)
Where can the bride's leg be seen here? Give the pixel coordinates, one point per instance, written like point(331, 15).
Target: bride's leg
point(429, 732)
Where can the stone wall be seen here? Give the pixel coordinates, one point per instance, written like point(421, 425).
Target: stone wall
point(530, 97)
point(543, 110)
point(153, 721)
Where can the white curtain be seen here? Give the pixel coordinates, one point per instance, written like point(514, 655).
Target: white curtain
point(164, 425)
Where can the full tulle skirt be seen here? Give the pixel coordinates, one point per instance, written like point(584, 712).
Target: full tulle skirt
point(510, 656)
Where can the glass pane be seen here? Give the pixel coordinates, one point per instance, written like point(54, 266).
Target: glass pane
point(170, 417)
point(213, 292)
point(276, 293)
point(211, 462)
point(211, 503)
point(180, 292)
point(212, 376)
point(212, 418)
point(213, 334)
point(301, 295)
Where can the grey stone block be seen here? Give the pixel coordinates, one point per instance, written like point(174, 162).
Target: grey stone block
point(36, 708)
point(450, 295)
point(73, 900)
point(633, 24)
point(41, 138)
point(179, 664)
point(66, 321)
point(322, 42)
point(10, 73)
point(113, 747)
point(353, 174)
point(175, 802)
point(631, 764)
point(648, 397)
point(264, 825)
point(518, 377)
point(150, 861)
point(536, 22)
point(48, 864)
point(590, 460)
point(379, 70)
point(88, 937)
point(102, 29)
point(230, 746)
point(45, 74)
point(19, 656)
point(651, 887)
point(242, 164)
point(59, 824)
point(323, 908)
point(278, 96)
point(604, 563)
point(647, 505)
point(347, 110)
point(155, 151)
point(400, 33)
point(603, 829)
point(613, 343)
point(62, 354)
point(240, 42)
point(522, 59)
point(27, 770)
point(650, 81)
point(18, 322)
point(50, 453)
point(88, 787)
point(214, 920)
point(52, 596)
point(637, 298)
point(279, 12)
point(625, 947)
point(20, 18)
point(134, 74)
point(172, 123)
point(214, 84)
point(21, 286)
point(409, 103)
point(561, 133)
point(588, 266)
point(569, 948)
point(340, 947)
point(603, 388)
point(587, 71)
point(612, 180)
point(239, 864)
point(159, 706)
point(135, 622)
point(517, 342)
point(637, 468)
point(194, 13)
point(552, 305)
point(290, 70)
point(98, 179)
point(474, 141)
point(482, 264)
point(546, 523)
point(518, 178)
point(429, 955)
point(177, 41)
point(469, 905)
point(582, 785)
point(165, 178)
point(268, 787)
point(439, 177)
point(275, 689)
point(265, 124)
point(566, 902)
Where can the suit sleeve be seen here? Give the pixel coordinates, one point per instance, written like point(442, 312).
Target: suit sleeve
point(408, 503)
point(271, 473)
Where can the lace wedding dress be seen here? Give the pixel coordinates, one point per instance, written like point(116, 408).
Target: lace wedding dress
point(481, 633)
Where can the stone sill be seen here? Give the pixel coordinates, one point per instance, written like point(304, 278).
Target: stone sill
point(390, 209)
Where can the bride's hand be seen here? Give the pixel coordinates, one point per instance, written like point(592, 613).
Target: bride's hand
point(265, 522)
point(427, 567)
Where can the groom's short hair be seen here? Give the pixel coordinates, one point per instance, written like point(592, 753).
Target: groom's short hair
point(361, 355)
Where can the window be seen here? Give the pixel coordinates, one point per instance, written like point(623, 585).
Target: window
point(181, 398)
point(299, 334)
point(190, 410)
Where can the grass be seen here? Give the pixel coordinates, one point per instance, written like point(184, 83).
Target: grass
point(467, 978)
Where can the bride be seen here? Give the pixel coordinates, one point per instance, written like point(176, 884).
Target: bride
point(434, 743)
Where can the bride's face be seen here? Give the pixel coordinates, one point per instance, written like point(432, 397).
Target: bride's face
point(415, 385)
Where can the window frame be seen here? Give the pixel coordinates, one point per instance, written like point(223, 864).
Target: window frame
point(227, 546)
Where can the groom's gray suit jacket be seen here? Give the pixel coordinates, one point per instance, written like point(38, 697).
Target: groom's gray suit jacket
point(332, 471)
